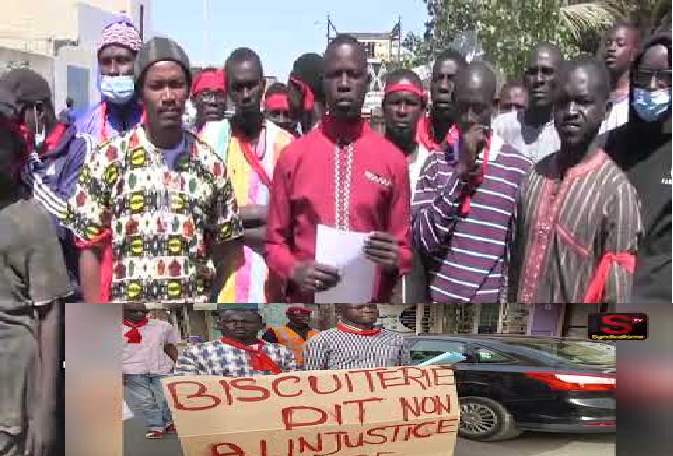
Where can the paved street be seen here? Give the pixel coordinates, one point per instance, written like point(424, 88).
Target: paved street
point(542, 444)
point(135, 443)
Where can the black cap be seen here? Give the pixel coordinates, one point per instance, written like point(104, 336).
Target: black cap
point(8, 107)
point(160, 49)
point(309, 68)
point(26, 85)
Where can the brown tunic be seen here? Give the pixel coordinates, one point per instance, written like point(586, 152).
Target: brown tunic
point(565, 226)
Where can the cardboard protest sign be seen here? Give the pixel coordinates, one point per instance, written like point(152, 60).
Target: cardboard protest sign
point(404, 411)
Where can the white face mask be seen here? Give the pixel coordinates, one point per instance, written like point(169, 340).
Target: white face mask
point(40, 136)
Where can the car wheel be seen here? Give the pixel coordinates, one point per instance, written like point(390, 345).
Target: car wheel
point(486, 420)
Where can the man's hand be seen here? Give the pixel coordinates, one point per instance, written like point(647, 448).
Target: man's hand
point(471, 144)
point(383, 249)
point(41, 435)
point(313, 277)
point(253, 215)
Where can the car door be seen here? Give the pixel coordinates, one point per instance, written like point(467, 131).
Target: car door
point(491, 373)
point(424, 349)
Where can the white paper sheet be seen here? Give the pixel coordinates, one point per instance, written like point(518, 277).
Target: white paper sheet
point(344, 251)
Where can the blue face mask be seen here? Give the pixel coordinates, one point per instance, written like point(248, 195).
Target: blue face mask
point(117, 89)
point(649, 105)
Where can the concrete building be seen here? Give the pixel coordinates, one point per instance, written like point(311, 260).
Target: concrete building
point(58, 39)
point(568, 320)
point(382, 48)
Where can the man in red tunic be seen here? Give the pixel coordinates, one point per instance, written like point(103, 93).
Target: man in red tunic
point(344, 176)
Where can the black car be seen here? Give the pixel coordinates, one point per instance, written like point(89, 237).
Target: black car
point(508, 384)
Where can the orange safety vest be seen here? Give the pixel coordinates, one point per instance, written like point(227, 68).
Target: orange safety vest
point(293, 341)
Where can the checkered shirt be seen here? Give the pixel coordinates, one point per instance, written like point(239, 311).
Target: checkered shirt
point(218, 358)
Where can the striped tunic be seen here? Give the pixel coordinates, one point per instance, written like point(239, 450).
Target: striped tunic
point(337, 350)
point(466, 257)
point(565, 226)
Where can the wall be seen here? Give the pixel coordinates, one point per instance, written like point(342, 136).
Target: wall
point(30, 27)
point(12, 58)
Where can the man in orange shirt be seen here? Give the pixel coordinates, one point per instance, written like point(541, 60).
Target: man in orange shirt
point(295, 334)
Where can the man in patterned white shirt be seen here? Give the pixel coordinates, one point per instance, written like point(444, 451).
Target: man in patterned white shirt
point(239, 353)
point(356, 343)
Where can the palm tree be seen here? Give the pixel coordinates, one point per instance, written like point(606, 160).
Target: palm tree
point(649, 15)
point(582, 19)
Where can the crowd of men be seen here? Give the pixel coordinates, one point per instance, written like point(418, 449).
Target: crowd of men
point(561, 193)
point(150, 353)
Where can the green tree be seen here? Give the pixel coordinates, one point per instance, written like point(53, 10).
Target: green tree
point(508, 29)
point(649, 15)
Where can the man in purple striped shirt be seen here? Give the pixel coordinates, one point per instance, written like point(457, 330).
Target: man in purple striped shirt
point(463, 210)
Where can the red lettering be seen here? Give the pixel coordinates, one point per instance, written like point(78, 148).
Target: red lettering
point(227, 391)
point(374, 433)
point(349, 382)
point(289, 418)
point(368, 374)
point(417, 428)
point(249, 384)
point(623, 324)
point(338, 415)
point(276, 383)
point(305, 446)
point(361, 406)
point(444, 408)
point(233, 450)
point(422, 375)
point(313, 383)
point(173, 390)
point(358, 441)
point(442, 427)
point(428, 405)
point(387, 382)
point(436, 371)
point(397, 428)
point(337, 441)
point(409, 408)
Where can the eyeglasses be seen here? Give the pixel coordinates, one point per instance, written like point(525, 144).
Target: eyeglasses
point(643, 78)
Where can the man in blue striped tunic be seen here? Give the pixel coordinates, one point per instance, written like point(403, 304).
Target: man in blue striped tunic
point(464, 205)
point(356, 343)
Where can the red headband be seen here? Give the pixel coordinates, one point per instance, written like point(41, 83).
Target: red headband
point(306, 92)
point(405, 87)
point(209, 80)
point(297, 311)
point(277, 102)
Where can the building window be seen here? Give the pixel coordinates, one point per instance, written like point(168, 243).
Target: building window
point(489, 316)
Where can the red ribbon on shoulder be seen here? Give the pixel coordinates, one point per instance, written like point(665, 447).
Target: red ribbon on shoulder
point(424, 134)
point(360, 332)
point(54, 138)
point(596, 290)
point(252, 159)
point(133, 335)
point(260, 361)
point(306, 92)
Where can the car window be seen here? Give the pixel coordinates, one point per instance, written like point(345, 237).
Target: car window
point(484, 355)
point(572, 351)
point(425, 350)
